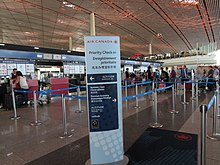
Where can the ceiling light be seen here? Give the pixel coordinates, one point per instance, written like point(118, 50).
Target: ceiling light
point(69, 51)
point(187, 2)
point(2, 44)
point(36, 47)
point(27, 32)
point(69, 5)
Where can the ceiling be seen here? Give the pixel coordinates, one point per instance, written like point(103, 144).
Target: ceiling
point(171, 26)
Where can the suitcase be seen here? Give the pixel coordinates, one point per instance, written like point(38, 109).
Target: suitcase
point(7, 104)
point(19, 100)
point(188, 86)
point(162, 85)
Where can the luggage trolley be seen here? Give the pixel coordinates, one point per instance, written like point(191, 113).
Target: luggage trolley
point(44, 97)
point(34, 86)
point(162, 84)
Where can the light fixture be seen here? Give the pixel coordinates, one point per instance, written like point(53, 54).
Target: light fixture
point(36, 47)
point(187, 2)
point(69, 5)
point(2, 44)
point(69, 51)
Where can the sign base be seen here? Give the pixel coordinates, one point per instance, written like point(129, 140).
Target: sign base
point(122, 162)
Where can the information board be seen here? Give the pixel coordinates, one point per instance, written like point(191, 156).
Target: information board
point(104, 98)
point(73, 68)
point(7, 66)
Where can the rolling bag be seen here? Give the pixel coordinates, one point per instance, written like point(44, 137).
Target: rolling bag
point(7, 104)
point(19, 100)
point(188, 86)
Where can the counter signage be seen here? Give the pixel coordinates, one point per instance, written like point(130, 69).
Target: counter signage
point(74, 68)
point(104, 95)
point(7, 66)
point(57, 57)
point(48, 56)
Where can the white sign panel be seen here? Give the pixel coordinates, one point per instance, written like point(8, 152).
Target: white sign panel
point(21, 68)
point(104, 98)
point(30, 68)
point(48, 56)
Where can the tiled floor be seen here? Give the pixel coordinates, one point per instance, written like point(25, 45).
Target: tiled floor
point(21, 143)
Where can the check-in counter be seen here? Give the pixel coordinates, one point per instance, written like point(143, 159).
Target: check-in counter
point(58, 83)
point(33, 86)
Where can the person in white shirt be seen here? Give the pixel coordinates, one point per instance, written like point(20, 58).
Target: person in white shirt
point(21, 81)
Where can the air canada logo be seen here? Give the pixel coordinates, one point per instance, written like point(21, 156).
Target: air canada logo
point(183, 137)
point(100, 41)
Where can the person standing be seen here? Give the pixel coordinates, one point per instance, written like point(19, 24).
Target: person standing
point(22, 82)
point(13, 74)
point(210, 78)
point(149, 78)
point(216, 73)
point(184, 72)
point(172, 74)
point(13, 77)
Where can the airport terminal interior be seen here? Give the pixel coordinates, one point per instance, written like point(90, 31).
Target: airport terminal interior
point(109, 82)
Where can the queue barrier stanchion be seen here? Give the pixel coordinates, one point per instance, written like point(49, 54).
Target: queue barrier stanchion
point(153, 83)
point(176, 87)
point(136, 99)
point(79, 102)
point(65, 134)
point(15, 117)
point(193, 90)
point(155, 124)
point(215, 135)
point(197, 88)
point(206, 85)
point(126, 88)
point(36, 122)
point(203, 110)
point(184, 94)
point(217, 98)
point(173, 101)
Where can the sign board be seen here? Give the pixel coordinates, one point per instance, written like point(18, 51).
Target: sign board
point(57, 56)
point(104, 98)
point(7, 66)
point(48, 56)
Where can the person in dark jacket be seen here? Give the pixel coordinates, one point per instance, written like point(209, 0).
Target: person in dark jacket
point(149, 78)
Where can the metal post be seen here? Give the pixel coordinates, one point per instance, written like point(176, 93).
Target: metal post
point(79, 102)
point(193, 88)
point(153, 83)
point(203, 110)
point(155, 124)
point(136, 91)
point(217, 98)
point(126, 88)
point(176, 88)
point(184, 94)
point(215, 135)
point(65, 133)
point(35, 122)
point(14, 107)
point(206, 86)
point(173, 100)
point(197, 88)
